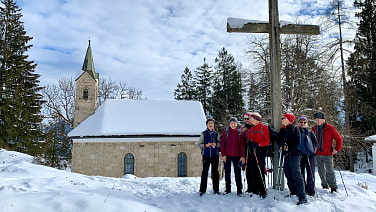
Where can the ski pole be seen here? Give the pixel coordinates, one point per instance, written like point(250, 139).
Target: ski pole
point(258, 165)
point(245, 170)
point(278, 185)
point(343, 181)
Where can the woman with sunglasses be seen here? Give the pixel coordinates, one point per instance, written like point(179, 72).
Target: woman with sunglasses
point(307, 148)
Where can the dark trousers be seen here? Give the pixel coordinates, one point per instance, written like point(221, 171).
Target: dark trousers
point(206, 162)
point(255, 179)
point(294, 177)
point(307, 166)
point(238, 177)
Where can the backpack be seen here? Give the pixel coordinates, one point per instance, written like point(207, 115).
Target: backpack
point(273, 139)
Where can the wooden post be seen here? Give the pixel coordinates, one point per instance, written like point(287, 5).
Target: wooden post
point(275, 72)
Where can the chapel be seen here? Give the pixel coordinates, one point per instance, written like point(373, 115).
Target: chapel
point(145, 138)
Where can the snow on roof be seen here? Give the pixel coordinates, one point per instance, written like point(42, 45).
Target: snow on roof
point(371, 138)
point(239, 23)
point(119, 117)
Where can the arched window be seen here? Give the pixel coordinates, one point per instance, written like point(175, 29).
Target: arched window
point(85, 93)
point(129, 164)
point(182, 164)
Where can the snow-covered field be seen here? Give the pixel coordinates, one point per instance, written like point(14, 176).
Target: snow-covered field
point(25, 186)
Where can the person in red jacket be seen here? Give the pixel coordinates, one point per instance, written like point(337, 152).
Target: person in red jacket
point(232, 150)
point(244, 129)
point(325, 134)
point(258, 138)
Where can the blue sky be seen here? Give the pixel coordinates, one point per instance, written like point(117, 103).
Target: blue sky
point(145, 43)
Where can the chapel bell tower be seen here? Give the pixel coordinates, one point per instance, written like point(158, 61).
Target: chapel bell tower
point(86, 101)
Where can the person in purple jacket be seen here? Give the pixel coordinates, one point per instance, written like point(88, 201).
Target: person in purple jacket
point(233, 152)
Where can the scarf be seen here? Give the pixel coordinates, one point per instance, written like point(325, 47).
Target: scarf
point(248, 126)
point(320, 134)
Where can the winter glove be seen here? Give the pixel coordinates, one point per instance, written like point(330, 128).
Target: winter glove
point(253, 145)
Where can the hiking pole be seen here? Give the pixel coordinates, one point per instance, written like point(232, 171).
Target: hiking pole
point(271, 170)
point(267, 170)
point(258, 165)
point(245, 170)
point(343, 181)
point(278, 185)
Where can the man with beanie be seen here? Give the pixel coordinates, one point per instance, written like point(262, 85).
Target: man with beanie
point(232, 149)
point(289, 141)
point(325, 134)
point(209, 144)
point(257, 141)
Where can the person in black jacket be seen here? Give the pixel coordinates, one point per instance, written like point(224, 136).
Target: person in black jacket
point(209, 144)
point(289, 141)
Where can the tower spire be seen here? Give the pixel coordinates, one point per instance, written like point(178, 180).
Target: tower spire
point(88, 65)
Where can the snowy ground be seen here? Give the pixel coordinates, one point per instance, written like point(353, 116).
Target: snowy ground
point(25, 186)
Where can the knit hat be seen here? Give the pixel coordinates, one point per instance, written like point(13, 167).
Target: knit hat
point(256, 116)
point(247, 115)
point(319, 115)
point(289, 116)
point(232, 119)
point(303, 117)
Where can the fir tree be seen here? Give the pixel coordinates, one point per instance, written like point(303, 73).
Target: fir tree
point(227, 99)
point(185, 90)
point(20, 102)
point(57, 145)
point(362, 64)
point(204, 79)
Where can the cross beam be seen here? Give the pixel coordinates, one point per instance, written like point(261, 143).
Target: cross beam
point(250, 26)
point(274, 28)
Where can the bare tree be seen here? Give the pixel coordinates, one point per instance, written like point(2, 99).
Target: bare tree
point(60, 100)
point(60, 97)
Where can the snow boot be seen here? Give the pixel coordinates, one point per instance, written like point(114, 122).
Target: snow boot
point(302, 201)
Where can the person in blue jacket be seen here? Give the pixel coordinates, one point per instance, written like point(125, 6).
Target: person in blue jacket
point(209, 144)
point(307, 148)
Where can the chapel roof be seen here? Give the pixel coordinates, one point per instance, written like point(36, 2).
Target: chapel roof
point(123, 117)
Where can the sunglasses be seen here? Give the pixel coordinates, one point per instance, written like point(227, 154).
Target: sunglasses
point(303, 122)
point(247, 119)
point(283, 117)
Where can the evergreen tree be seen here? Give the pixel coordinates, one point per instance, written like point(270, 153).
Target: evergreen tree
point(56, 148)
point(20, 102)
point(362, 68)
point(185, 90)
point(204, 78)
point(227, 98)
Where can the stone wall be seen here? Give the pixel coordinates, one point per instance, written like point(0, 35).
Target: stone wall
point(151, 159)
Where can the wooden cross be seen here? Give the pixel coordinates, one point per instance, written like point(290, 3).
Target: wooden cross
point(274, 28)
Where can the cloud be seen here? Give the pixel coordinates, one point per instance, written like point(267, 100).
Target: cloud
point(145, 43)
